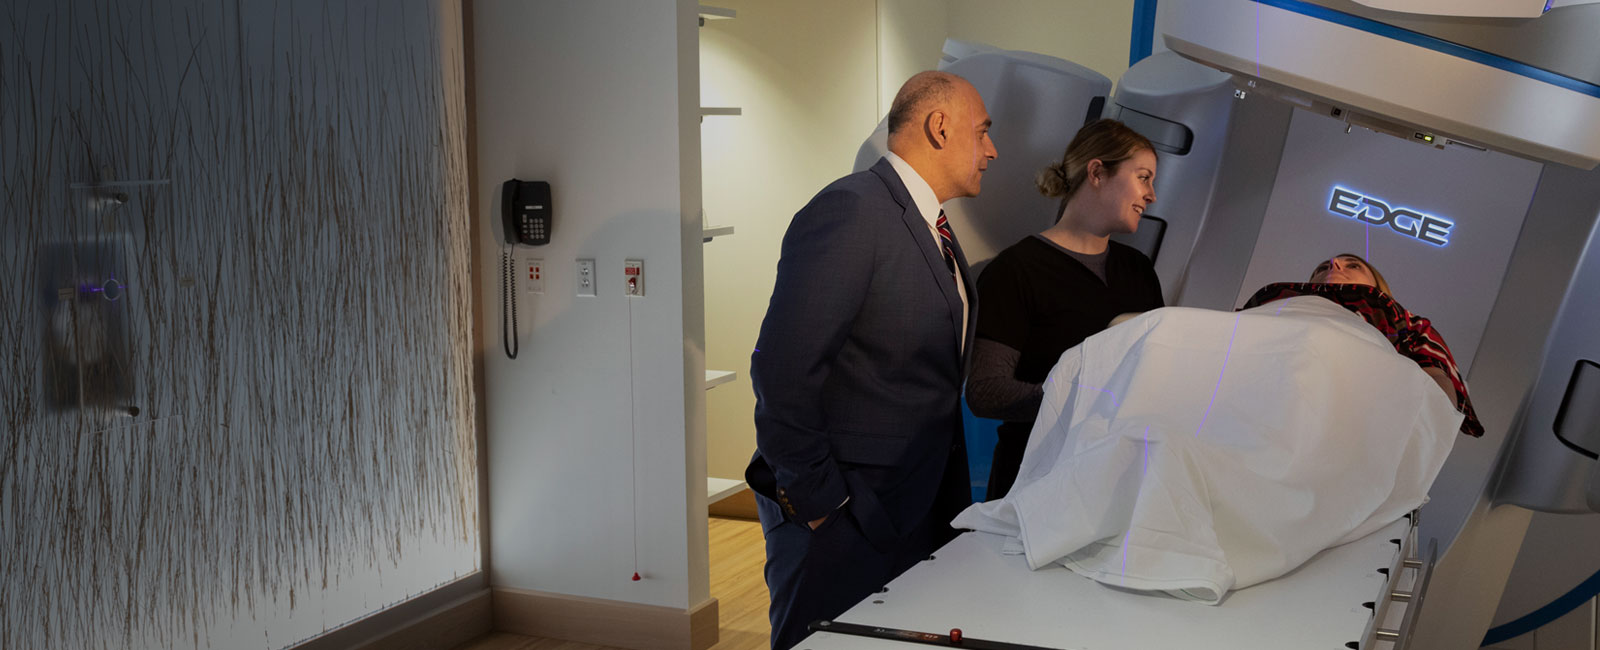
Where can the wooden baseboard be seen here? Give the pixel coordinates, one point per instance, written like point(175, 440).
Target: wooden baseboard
point(458, 622)
point(605, 622)
point(739, 505)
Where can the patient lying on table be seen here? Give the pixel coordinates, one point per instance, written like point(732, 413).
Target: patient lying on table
point(1192, 451)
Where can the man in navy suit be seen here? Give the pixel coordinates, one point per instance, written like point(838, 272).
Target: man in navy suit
point(860, 464)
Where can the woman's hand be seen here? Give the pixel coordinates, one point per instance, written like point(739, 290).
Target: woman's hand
point(1123, 318)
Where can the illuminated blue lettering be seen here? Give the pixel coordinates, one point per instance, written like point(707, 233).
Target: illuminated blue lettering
point(1414, 219)
point(1425, 227)
point(1383, 211)
point(1435, 231)
point(1345, 203)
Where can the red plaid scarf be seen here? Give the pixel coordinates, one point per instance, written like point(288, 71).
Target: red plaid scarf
point(1413, 336)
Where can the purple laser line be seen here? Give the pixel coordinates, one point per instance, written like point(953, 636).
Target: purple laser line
point(1114, 401)
point(1258, 40)
point(1224, 370)
point(1281, 304)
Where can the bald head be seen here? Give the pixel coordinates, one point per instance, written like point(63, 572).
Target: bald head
point(939, 126)
point(921, 94)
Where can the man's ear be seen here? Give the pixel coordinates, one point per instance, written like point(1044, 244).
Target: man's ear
point(935, 126)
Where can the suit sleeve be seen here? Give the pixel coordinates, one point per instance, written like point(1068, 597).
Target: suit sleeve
point(824, 272)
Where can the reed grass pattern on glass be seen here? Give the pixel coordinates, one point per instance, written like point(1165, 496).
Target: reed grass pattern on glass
point(280, 188)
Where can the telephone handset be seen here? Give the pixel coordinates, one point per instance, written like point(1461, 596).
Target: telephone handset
point(525, 212)
point(525, 218)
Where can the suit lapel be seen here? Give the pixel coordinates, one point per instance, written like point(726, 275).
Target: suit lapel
point(922, 236)
point(917, 228)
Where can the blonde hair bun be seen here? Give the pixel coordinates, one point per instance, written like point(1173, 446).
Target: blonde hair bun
point(1052, 181)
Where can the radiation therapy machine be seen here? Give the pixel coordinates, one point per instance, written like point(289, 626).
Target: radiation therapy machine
point(1458, 154)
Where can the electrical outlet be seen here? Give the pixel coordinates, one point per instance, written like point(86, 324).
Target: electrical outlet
point(535, 276)
point(633, 277)
point(586, 277)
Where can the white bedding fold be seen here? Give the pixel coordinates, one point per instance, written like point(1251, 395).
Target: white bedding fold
point(1194, 451)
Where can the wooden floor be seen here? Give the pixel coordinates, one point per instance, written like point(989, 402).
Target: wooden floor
point(737, 552)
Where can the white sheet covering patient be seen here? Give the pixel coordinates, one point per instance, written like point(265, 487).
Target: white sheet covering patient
point(1193, 451)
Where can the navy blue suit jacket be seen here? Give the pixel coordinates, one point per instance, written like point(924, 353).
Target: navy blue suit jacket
point(858, 369)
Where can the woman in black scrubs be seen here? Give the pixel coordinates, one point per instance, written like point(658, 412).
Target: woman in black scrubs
point(1050, 291)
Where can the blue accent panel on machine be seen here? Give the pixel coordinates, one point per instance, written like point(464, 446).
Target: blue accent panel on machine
point(1143, 38)
point(981, 436)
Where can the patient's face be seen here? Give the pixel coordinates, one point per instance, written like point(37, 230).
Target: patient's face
point(1344, 270)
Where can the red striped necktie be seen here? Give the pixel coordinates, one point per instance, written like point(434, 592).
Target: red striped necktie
point(946, 244)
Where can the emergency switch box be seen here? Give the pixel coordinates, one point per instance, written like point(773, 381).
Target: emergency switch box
point(633, 277)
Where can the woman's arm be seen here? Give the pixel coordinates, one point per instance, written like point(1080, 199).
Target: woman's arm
point(993, 390)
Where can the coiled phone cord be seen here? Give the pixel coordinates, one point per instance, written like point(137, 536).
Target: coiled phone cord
point(508, 305)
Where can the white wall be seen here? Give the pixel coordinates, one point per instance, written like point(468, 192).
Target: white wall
point(594, 429)
point(911, 36)
point(804, 76)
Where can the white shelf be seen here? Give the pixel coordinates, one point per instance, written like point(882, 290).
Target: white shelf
point(720, 110)
point(719, 231)
point(718, 377)
point(708, 12)
point(718, 489)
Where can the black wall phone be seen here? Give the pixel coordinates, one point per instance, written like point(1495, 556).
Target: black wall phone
point(525, 212)
point(526, 218)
